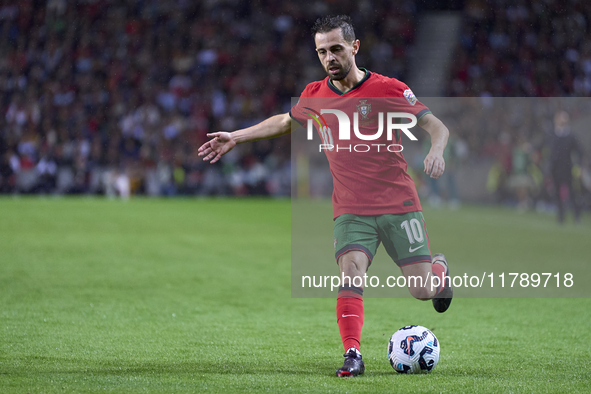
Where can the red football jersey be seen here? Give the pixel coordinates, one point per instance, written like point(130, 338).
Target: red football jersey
point(366, 161)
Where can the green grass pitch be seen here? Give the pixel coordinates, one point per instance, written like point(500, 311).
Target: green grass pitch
point(190, 295)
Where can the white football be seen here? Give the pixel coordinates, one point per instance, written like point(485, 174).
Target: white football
point(413, 349)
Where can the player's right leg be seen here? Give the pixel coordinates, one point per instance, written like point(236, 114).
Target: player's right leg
point(356, 242)
point(350, 312)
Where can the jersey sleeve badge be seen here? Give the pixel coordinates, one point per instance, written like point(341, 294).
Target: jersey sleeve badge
point(410, 97)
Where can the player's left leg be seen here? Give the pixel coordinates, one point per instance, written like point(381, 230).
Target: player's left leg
point(430, 281)
point(418, 279)
point(574, 198)
point(556, 185)
point(444, 295)
point(405, 239)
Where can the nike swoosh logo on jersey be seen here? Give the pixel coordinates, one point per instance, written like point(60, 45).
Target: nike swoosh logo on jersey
point(411, 249)
point(349, 315)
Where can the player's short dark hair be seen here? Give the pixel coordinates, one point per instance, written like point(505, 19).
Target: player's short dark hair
point(331, 22)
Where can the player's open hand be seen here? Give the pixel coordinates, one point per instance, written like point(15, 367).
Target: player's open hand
point(434, 165)
point(220, 144)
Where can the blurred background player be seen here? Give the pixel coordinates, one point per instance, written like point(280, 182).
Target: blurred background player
point(563, 146)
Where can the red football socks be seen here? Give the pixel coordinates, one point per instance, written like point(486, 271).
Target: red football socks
point(439, 270)
point(350, 315)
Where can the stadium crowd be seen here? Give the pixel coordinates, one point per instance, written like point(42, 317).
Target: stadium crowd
point(105, 96)
point(523, 48)
point(516, 137)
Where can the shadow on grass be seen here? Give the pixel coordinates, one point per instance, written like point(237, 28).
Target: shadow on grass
point(63, 366)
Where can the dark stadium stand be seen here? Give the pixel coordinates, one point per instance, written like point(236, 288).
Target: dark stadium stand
point(114, 97)
point(524, 48)
point(97, 94)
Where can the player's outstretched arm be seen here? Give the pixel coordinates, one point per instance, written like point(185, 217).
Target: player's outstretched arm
point(222, 142)
point(434, 163)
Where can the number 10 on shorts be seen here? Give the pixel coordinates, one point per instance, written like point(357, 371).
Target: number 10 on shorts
point(413, 229)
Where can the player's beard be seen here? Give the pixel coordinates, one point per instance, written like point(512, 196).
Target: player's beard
point(341, 74)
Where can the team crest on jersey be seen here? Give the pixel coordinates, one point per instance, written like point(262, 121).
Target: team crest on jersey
point(364, 109)
point(410, 97)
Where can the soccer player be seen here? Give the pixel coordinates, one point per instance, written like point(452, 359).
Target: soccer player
point(563, 145)
point(374, 199)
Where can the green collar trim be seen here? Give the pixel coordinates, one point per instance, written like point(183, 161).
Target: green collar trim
point(340, 92)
